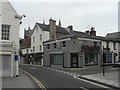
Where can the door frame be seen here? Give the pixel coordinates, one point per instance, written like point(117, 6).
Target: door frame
point(71, 62)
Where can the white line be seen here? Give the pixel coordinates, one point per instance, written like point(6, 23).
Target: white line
point(84, 88)
point(38, 82)
point(90, 82)
point(68, 73)
point(32, 68)
point(71, 74)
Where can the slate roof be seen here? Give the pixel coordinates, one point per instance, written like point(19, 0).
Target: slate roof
point(78, 33)
point(26, 43)
point(28, 32)
point(113, 35)
point(45, 27)
point(86, 36)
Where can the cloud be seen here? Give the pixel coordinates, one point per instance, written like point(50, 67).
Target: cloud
point(102, 15)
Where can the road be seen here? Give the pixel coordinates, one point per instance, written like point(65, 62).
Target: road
point(54, 79)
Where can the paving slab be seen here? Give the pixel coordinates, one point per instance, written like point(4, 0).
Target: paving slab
point(22, 81)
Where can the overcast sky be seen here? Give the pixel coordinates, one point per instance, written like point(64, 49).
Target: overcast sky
point(102, 14)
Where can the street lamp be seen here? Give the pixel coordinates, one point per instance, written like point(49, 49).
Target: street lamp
point(20, 17)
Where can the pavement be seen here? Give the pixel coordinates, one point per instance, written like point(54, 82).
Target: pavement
point(95, 74)
point(110, 78)
point(22, 82)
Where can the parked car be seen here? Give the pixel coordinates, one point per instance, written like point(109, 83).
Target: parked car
point(117, 64)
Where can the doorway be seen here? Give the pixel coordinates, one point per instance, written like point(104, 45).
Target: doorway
point(74, 60)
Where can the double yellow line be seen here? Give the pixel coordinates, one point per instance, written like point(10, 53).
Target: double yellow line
point(38, 82)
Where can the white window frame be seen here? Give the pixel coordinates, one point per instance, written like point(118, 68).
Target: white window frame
point(5, 32)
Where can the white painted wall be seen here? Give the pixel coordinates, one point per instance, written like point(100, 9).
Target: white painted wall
point(38, 42)
point(0, 17)
point(103, 44)
point(24, 51)
point(8, 18)
point(111, 46)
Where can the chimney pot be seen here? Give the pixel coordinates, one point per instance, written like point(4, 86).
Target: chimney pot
point(70, 27)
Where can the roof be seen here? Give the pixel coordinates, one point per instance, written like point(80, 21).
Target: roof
point(113, 35)
point(86, 36)
point(28, 32)
point(45, 27)
point(78, 32)
point(26, 43)
point(12, 7)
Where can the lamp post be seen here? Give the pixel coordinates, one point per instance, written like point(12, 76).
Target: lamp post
point(103, 64)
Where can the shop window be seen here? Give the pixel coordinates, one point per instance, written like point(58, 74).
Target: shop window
point(56, 59)
point(91, 58)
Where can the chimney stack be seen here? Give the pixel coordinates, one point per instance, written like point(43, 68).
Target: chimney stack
point(59, 23)
point(92, 32)
point(52, 25)
point(70, 27)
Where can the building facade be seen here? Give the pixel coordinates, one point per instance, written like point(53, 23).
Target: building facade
point(72, 52)
point(9, 40)
point(113, 45)
point(80, 49)
point(40, 33)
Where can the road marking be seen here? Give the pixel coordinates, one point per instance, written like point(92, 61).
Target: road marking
point(32, 68)
point(90, 82)
point(84, 88)
point(38, 82)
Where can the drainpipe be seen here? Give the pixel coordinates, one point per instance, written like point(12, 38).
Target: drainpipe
point(17, 67)
point(12, 61)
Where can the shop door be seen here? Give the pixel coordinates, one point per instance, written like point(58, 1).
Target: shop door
point(6, 65)
point(74, 60)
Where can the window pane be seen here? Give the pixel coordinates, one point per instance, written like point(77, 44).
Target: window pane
point(5, 32)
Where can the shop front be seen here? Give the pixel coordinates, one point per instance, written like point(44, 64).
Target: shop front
point(74, 60)
point(91, 58)
point(56, 59)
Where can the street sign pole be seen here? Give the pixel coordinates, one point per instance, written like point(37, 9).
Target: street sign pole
point(103, 70)
point(103, 64)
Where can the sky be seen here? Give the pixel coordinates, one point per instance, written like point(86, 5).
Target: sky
point(102, 14)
